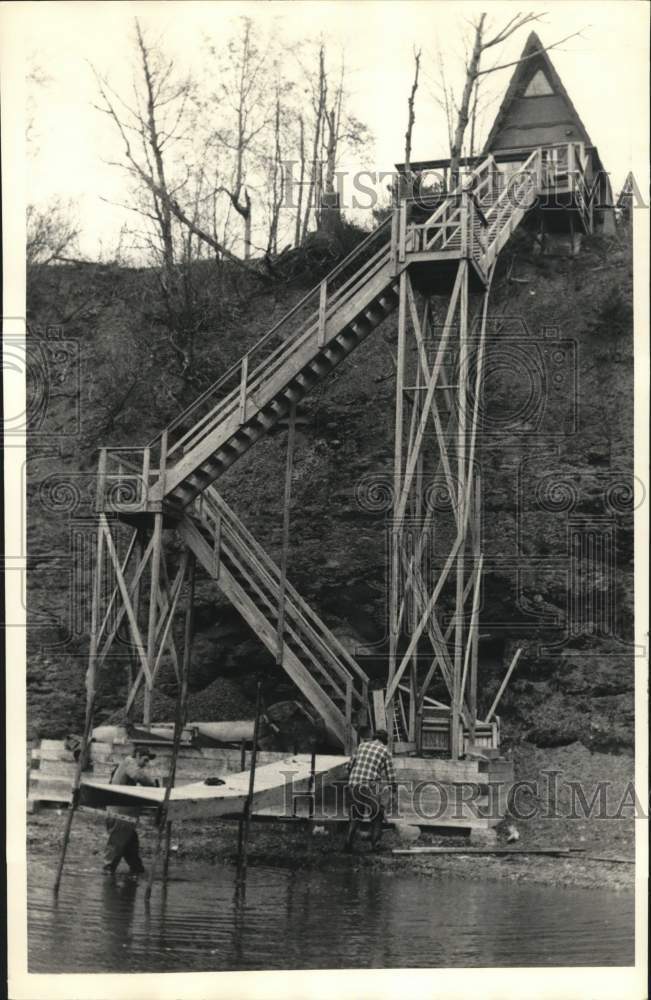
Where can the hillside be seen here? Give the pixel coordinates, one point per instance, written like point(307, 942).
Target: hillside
point(556, 463)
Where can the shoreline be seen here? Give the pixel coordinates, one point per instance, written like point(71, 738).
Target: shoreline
point(549, 822)
point(306, 848)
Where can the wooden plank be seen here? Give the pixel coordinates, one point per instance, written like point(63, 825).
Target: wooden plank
point(564, 851)
point(65, 756)
point(499, 694)
point(323, 298)
point(243, 388)
point(612, 861)
point(379, 714)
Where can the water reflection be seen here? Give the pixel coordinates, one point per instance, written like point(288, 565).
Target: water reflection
point(344, 918)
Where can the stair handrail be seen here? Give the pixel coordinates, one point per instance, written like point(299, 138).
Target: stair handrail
point(500, 213)
point(498, 204)
point(459, 189)
point(259, 579)
point(300, 631)
point(211, 496)
point(270, 364)
point(214, 387)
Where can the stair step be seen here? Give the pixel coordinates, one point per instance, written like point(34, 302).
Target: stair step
point(333, 353)
point(320, 367)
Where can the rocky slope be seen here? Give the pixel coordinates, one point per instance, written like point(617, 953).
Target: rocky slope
point(556, 461)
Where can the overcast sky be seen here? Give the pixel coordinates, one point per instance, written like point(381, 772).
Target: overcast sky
point(605, 72)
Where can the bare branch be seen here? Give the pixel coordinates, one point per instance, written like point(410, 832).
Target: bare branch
point(531, 55)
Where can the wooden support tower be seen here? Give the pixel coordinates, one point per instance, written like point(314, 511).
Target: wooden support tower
point(436, 557)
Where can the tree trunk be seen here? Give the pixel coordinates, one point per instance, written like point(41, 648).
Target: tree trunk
point(301, 147)
point(163, 209)
point(464, 108)
point(330, 214)
point(318, 124)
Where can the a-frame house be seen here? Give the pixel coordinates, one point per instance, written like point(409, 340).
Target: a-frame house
point(537, 111)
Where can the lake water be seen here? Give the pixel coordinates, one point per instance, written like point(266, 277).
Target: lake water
point(317, 920)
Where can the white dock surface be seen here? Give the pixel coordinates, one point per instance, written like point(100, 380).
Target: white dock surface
point(198, 799)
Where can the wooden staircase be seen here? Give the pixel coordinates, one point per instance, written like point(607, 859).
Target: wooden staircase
point(312, 656)
point(172, 476)
point(310, 341)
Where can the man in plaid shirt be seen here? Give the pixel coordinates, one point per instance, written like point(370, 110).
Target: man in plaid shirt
point(369, 772)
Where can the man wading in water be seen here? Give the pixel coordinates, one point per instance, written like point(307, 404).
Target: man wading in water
point(123, 837)
point(370, 763)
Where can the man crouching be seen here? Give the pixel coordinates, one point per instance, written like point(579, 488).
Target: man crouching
point(370, 770)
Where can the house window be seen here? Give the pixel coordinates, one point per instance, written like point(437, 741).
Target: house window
point(538, 85)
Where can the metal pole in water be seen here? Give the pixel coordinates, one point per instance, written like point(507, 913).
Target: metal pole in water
point(91, 694)
point(244, 822)
point(179, 722)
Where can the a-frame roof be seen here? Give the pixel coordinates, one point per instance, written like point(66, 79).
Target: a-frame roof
point(537, 117)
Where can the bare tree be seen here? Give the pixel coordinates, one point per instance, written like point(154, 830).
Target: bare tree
point(156, 121)
point(247, 113)
point(51, 233)
point(464, 111)
point(319, 97)
point(301, 180)
point(411, 117)
point(334, 128)
point(275, 173)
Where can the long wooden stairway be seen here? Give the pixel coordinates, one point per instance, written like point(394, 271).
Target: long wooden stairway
point(172, 476)
point(474, 222)
point(312, 656)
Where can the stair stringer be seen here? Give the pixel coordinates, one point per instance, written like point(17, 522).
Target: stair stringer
point(332, 717)
point(307, 352)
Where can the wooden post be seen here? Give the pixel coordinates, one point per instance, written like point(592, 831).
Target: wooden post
point(402, 230)
point(153, 614)
point(396, 528)
point(243, 387)
point(348, 737)
point(287, 499)
point(323, 299)
point(472, 694)
point(134, 659)
point(463, 216)
point(146, 462)
point(91, 686)
point(217, 546)
point(154, 583)
point(394, 239)
point(166, 853)
point(416, 561)
point(179, 722)
point(499, 694)
point(246, 816)
point(461, 478)
point(571, 167)
point(101, 480)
